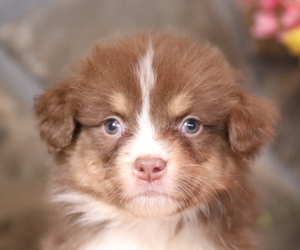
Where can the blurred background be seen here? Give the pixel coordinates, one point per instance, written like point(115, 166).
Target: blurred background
point(40, 40)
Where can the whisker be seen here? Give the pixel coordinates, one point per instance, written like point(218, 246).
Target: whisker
point(216, 196)
point(231, 199)
point(193, 196)
point(210, 168)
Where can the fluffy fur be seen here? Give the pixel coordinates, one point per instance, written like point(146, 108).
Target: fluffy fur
point(151, 85)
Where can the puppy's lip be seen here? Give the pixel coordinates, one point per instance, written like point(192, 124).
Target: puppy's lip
point(150, 193)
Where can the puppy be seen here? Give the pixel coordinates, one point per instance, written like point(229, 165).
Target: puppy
point(152, 139)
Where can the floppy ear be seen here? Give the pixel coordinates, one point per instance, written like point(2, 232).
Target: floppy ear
point(55, 118)
point(251, 124)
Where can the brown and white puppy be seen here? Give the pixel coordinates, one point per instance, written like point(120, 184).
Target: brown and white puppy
point(152, 138)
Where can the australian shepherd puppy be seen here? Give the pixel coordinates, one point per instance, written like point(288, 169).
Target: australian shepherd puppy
point(152, 139)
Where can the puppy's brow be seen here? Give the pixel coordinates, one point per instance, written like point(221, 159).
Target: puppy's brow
point(180, 105)
point(119, 103)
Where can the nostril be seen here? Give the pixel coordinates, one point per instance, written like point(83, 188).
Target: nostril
point(140, 169)
point(158, 165)
point(157, 169)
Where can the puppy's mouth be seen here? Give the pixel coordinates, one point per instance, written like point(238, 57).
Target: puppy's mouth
point(156, 189)
point(150, 193)
point(151, 202)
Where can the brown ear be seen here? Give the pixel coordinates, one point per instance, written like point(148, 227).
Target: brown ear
point(251, 124)
point(55, 118)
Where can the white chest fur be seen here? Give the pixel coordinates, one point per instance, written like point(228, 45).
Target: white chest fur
point(149, 238)
point(150, 235)
point(126, 232)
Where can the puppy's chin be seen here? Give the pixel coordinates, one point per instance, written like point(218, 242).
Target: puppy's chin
point(151, 204)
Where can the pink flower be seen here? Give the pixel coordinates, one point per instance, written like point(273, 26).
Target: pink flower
point(290, 2)
point(269, 4)
point(265, 24)
point(291, 15)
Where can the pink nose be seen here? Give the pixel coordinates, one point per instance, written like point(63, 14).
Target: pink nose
point(149, 169)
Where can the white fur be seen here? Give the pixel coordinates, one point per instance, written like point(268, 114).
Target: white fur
point(127, 232)
point(146, 75)
point(145, 143)
point(94, 211)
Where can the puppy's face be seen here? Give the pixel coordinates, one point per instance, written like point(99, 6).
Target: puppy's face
point(153, 125)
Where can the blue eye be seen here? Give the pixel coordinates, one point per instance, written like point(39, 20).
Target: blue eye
point(191, 126)
point(113, 127)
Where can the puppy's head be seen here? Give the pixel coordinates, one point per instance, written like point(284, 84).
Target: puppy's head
point(153, 124)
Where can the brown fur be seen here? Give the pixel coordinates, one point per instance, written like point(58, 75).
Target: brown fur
point(192, 79)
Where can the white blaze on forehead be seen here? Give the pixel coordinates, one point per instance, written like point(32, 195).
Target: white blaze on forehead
point(147, 80)
point(144, 143)
point(146, 73)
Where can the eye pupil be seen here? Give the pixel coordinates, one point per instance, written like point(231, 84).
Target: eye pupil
point(112, 127)
point(190, 126)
